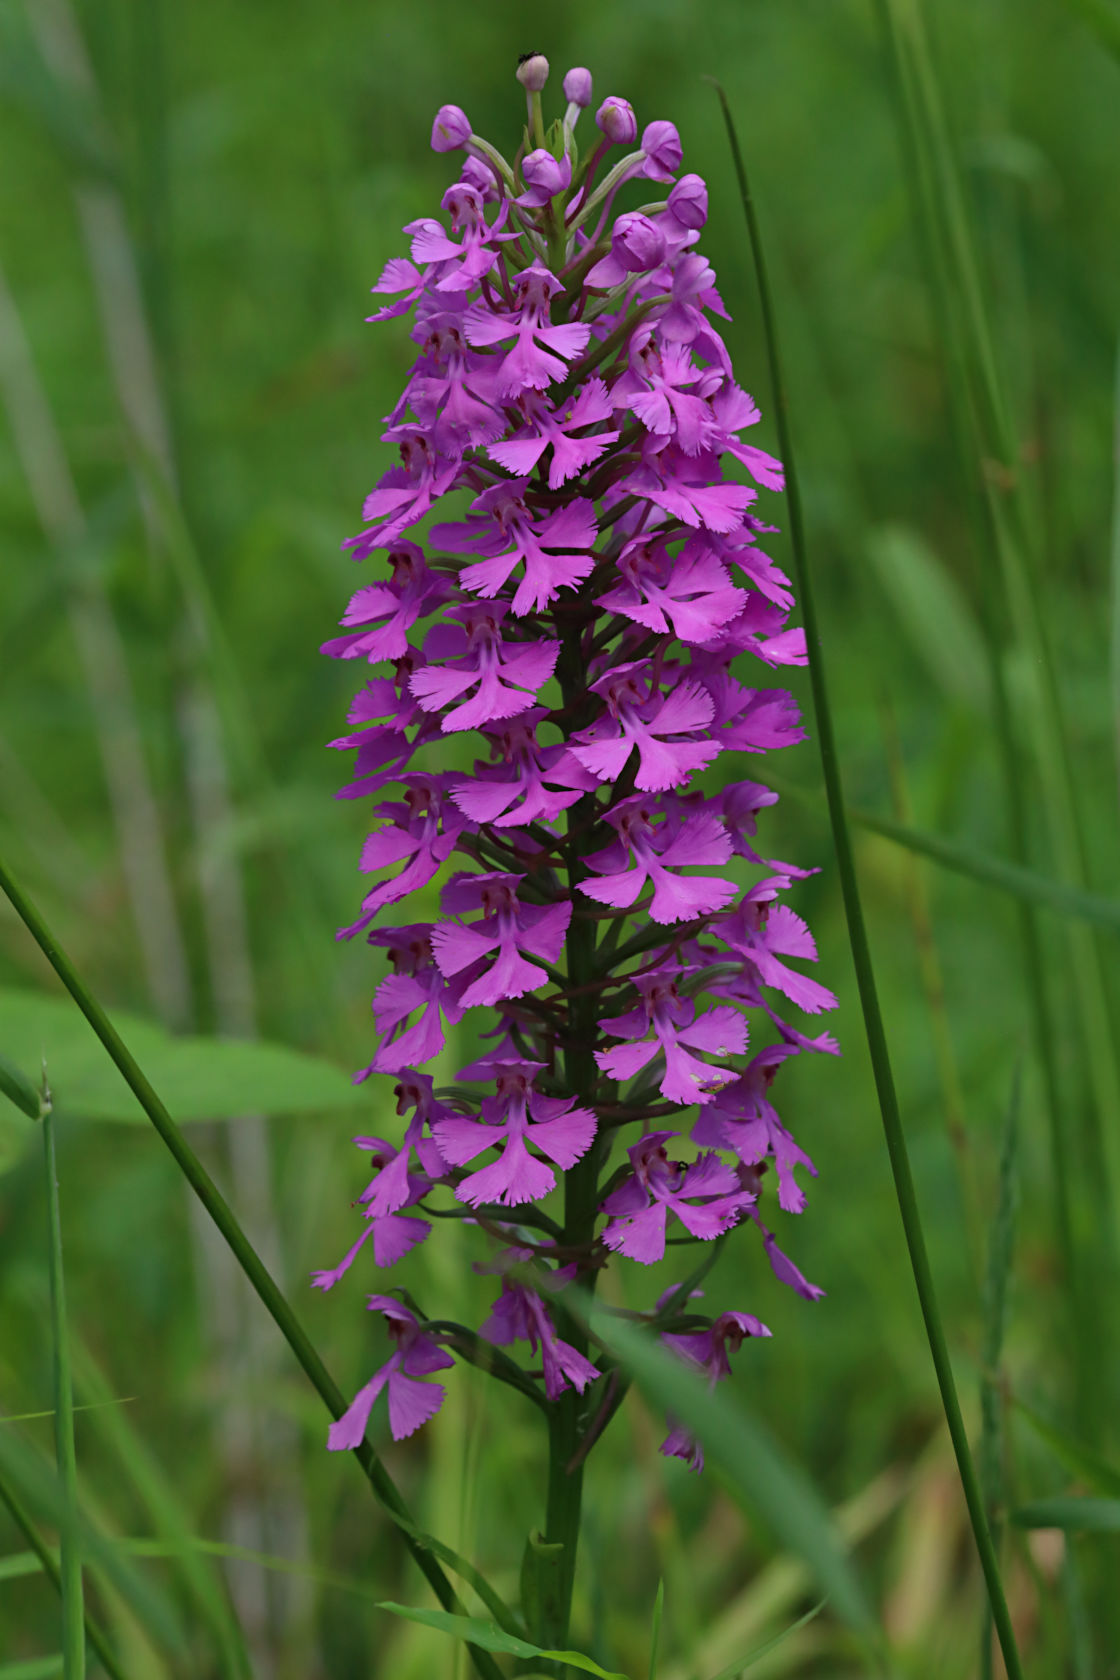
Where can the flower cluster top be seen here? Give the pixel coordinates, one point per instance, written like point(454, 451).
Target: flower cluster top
point(577, 613)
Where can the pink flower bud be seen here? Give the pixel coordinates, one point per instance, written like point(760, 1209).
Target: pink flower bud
point(544, 176)
point(688, 202)
point(615, 117)
point(637, 243)
point(662, 146)
point(577, 88)
point(532, 71)
point(451, 129)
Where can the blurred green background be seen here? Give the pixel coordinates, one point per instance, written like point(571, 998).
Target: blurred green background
point(194, 202)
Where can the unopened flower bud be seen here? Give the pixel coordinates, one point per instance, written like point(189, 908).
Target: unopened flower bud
point(545, 176)
point(638, 243)
point(577, 88)
point(477, 173)
point(532, 71)
point(615, 118)
point(662, 146)
point(451, 129)
point(688, 202)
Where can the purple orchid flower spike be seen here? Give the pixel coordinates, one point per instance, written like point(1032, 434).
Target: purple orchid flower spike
point(577, 628)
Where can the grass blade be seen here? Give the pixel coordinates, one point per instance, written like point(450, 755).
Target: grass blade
point(70, 1559)
point(1026, 885)
point(247, 1258)
point(1080, 1516)
point(861, 953)
point(40, 1557)
point(740, 1665)
point(995, 1318)
point(490, 1638)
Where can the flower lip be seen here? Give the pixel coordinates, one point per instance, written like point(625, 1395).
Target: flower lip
point(615, 118)
point(532, 71)
point(451, 129)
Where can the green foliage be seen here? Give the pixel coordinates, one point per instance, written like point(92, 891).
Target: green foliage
point(199, 1078)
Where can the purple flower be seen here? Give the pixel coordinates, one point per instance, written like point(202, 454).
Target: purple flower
point(707, 1349)
point(667, 1022)
point(507, 928)
point(512, 1120)
point(412, 1401)
point(616, 120)
point(451, 130)
point(577, 88)
point(661, 145)
point(519, 1314)
point(706, 1197)
point(545, 177)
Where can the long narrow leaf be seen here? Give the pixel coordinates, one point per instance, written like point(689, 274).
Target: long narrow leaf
point(491, 1638)
point(1081, 1516)
point(861, 952)
point(70, 1557)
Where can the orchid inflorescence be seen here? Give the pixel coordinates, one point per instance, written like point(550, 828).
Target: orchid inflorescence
point(583, 608)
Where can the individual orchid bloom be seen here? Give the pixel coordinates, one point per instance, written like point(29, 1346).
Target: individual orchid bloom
point(507, 927)
point(518, 1122)
point(638, 245)
point(405, 493)
point(760, 931)
point(541, 351)
point(546, 178)
point(394, 1182)
point(519, 1314)
point(529, 783)
point(546, 427)
point(668, 392)
point(469, 653)
point(451, 391)
point(668, 1023)
point(459, 263)
point(395, 1233)
point(416, 985)
point(638, 715)
point(386, 612)
point(706, 1196)
point(688, 595)
point(555, 551)
point(742, 1118)
point(687, 486)
point(658, 851)
point(707, 1349)
point(421, 832)
point(412, 1400)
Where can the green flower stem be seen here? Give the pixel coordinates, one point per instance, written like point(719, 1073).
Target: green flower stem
point(861, 954)
point(97, 1639)
point(247, 1258)
point(70, 1557)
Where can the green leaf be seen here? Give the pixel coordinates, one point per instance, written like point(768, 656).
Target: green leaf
point(741, 1664)
point(489, 1637)
point(1078, 1460)
point(15, 1085)
point(1083, 1516)
point(198, 1078)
